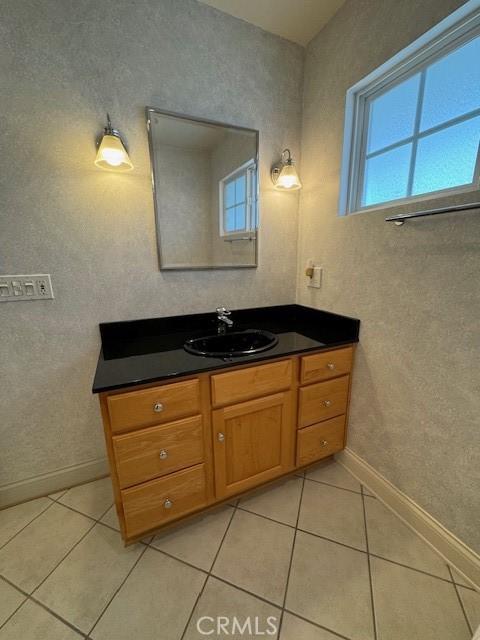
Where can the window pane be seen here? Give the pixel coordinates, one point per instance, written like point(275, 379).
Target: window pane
point(392, 114)
point(240, 218)
point(452, 85)
point(240, 187)
point(229, 220)
point(230, 194)
point(386, 176)
point(447, 158)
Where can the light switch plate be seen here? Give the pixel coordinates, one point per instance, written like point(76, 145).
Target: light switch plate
point(316, 279)
point(18, 288)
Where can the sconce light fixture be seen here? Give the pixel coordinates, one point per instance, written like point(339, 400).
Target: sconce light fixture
point(284, 174)
point(112, 152)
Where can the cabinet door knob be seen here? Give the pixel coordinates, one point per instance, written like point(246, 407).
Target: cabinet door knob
point(163, 455)
point(331, 366)
point(168, 503)
point(158, 407)
point(323, 443)
point(327, 403)
point(221, 437)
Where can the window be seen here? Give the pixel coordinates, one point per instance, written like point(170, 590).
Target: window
point(413, 126)
point(238, 201)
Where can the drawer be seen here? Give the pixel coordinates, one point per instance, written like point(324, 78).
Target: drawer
point(153, 503)
point(154, 405)
point(234, 386)
point(322, 401)
point(320, 440)
point(325, 365)
point(154, 452)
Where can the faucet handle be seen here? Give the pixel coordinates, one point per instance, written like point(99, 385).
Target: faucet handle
point(223, 311)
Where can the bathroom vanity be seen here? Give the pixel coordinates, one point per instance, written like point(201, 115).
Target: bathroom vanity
point(185, 432)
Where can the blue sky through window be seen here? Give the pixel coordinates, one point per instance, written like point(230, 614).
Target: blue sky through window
point(423, 134)
point(235, 204)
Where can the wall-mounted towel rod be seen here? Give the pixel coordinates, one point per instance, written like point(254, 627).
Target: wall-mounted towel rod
point(250, 238)
point(402, 217)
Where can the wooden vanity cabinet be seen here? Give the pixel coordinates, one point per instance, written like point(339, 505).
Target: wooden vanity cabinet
point(176, 448)
point(253, 442)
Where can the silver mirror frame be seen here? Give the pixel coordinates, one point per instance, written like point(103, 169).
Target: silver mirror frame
point(154, 110)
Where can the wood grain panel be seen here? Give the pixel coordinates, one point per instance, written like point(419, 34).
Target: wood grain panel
point(325, 365)
point(150, 453)
point(320, 440)
point(145, 505)
point(136, 409)
point(234, 386)
point(257, 442)
point(322, 401)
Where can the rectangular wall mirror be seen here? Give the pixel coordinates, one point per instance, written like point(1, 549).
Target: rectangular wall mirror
point(205, 190)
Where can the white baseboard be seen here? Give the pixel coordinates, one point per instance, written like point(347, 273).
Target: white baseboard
point(453, 550)
point(52, 482)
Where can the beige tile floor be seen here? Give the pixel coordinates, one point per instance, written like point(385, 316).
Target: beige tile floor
point(315, 557)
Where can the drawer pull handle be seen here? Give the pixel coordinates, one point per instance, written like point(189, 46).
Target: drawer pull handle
point(323, 443)
point(168, 504)
point(221, 437)
point(331, 366)
point(163, 455)
point(327, 403)
point(158, 407)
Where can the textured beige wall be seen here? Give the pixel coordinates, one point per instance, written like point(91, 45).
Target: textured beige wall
point(415, 413)
point(63, 65)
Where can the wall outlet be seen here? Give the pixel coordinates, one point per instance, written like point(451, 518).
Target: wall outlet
point(316, 277)
point(26, 287)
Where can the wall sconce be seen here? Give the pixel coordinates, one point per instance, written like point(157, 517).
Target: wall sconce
point(112, 152)
point(284, 174)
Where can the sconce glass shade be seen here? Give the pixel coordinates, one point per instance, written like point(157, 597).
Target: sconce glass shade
point(112, 154)
point(284, 175)
point(288, 178)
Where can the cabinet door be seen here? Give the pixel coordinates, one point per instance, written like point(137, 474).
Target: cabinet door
point(253, 442)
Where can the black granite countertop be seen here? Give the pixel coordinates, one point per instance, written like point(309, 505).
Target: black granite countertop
point(142, 351)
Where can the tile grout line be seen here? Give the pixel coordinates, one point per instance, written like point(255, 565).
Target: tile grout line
point(335, 486)
point(375, 555)
point(406, 566)
point(35, 589)
point(372, 599)
point(209, 573)
point(315, 624)
point(188, 564)
point(216, 577)
point(95, 522)
point(260, 515)
point(291, 558)
point(460, 602)
point(30, 596)
point(28, 523)
point(250, 593)
point(140, 556)
point(24, 593)
point(57, 616)
point(235, 507)
point(82, 513)
point(341, 544)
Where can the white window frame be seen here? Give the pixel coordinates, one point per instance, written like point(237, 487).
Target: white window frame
point(459, 27)
point(247, 168)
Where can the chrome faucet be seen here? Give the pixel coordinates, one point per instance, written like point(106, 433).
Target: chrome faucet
point(223, 319)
